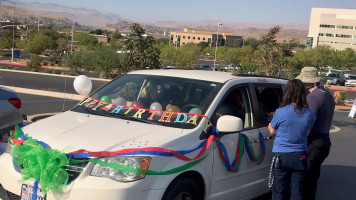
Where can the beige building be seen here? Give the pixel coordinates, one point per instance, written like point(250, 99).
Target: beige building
point(334, 27)
point(190, 35)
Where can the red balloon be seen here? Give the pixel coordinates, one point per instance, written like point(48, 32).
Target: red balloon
point(137, 104)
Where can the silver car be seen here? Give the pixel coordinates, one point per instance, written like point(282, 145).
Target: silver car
point(335, 79)
point(10, 114)
point(351, 81)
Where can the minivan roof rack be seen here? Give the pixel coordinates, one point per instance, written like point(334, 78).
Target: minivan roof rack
point(257, 75)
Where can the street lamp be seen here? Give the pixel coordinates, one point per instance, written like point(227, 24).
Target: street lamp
point(71, 44)
point(13, 31)
point(216, 44)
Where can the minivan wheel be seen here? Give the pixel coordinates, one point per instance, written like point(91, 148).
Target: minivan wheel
point(182, 189)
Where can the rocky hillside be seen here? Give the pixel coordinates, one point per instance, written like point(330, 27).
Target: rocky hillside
point(25, 16)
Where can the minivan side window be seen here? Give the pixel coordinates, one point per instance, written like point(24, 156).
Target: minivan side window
point(236, 103)
point(269, 97)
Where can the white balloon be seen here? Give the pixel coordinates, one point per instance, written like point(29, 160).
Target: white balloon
point(156, 106)
point(119, 101)
point(82, 84)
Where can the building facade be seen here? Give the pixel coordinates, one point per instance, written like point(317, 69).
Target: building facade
point(196, 36)
point(334, 27)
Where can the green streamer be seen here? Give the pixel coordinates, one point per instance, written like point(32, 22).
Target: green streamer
point(147, 172)
point(43, 164)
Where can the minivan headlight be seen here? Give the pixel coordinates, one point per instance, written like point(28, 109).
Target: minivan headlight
point(122, 176)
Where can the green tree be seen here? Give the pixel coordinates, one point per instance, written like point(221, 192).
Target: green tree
point(79, 62)
point(62, 43)
point(345, 59)
point(39, 42)
point(253, 42)
point(116, 35)
point(86, 40)
point(182, 57)
point(144, 53)
point(202, 45)
point(270, 58)
point(247, 59)
point(320, 56)
point(106, 62)
point(6, 39)
point(98, 32)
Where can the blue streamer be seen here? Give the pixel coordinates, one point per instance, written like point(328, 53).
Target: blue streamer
point(159, 153)
point(35, 186)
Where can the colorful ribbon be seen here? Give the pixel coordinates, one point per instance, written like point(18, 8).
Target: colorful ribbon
point(46, 165)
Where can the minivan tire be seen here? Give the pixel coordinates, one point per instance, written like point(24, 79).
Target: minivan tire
point(182, 189)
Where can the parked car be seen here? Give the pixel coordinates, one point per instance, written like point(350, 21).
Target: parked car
point(231, 67)
point(167, 122)
point(351, 81)
point(205, 67)
point(10, 114)
point(335, 79)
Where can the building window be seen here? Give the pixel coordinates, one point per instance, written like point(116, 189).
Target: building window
point(342, 43)
point(188, 37)
point(183, 43)
point(309, 44)
point(326, 34)
point(183, 36)
point(193, 37)
point(327, 26)
point(198, 38)
point(345, 27)
point(203, 38)
point(329, 42)
point(343, 36)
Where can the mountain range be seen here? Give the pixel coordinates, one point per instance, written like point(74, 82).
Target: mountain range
point(114, 21)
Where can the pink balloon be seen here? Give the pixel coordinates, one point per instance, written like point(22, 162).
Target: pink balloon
point(137, 104)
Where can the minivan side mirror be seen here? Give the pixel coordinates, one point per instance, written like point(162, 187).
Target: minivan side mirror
point(229, 124)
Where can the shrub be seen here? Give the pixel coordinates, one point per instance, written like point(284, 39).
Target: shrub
point(45, 63)
point(52, 63)
point(342, 95)
point(5, 54)
point(56, 71)
point(48, 70)
point(34, 63)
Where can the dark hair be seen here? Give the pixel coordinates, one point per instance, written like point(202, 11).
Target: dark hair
point(297, 94)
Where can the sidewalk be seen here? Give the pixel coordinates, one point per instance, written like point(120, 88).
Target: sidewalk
point(23, 63)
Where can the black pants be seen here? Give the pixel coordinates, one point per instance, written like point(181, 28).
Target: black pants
point(318, 150)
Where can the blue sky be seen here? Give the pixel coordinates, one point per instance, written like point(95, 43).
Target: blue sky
point(266, 11)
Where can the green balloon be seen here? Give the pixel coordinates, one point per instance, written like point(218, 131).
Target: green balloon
point(105, 99)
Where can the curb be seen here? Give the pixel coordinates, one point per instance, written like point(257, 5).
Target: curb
point(45, 93)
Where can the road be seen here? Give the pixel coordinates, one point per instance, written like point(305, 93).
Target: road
point(43, 81)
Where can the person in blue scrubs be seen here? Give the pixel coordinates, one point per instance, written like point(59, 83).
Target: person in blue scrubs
point(291, 124)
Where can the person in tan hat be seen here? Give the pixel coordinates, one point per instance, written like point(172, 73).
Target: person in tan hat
point(322, 103)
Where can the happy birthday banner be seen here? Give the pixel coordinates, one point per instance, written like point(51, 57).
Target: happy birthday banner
point(45, 165)
point(137, 112)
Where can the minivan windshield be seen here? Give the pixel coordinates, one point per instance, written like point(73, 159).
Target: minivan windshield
point(161, 100)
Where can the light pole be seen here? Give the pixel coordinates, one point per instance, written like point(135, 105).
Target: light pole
point(0, 17)
point(71, 44)
point(13, 32)
point(216, 44)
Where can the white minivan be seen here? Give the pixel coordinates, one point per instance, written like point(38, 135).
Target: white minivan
point(159, 134)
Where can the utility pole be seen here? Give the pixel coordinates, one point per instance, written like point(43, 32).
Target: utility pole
point(0, 17)
point(216, 44)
